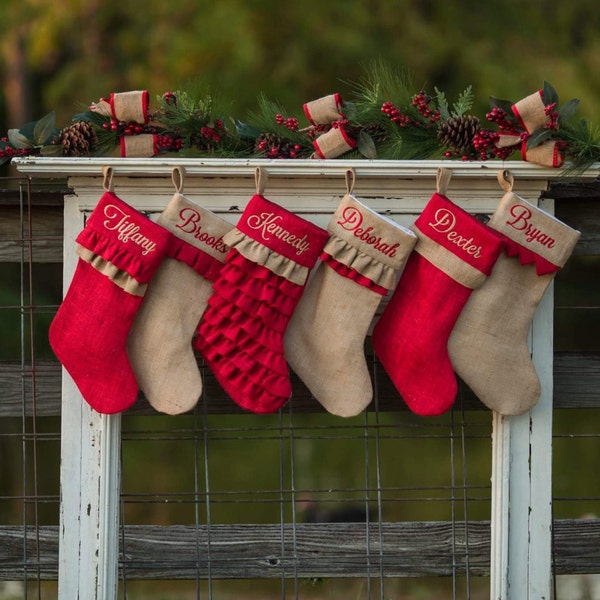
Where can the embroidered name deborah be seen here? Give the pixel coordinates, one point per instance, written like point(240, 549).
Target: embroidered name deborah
point(352, 220)
point(269, 225)
point(119, 221)
point(521, 221)
point(190, 223)
point(444, 221)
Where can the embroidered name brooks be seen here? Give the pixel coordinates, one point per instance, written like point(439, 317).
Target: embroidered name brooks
point(190, 224)
point(352, 220)
point(268, 224)
point(520, 221)
point(444, 221)
point(119, 221)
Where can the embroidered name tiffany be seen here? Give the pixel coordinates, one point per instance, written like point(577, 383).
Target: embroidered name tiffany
point(521, 222)
point(269, 225)
point(117, 220)
point(190, 223)
point(352, 220)
point(444, 222)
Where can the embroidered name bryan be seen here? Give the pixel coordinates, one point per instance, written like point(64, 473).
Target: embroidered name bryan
point(190, 223)
point(521, 215)
point(118, 220)
point(444, 222)
point(268, 225)
point(352, 220)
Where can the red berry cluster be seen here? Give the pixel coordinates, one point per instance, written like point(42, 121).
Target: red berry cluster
point(485, 143)
point(290, 123)
point(7, 151)
point(421, 102)
point(503, 120)
point(395, 115)
point(126, 128)
point(169, 143)
point(170, 98)
point(273, 146)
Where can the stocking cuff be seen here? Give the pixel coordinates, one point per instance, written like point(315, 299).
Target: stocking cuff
point(122, 236)
point(261, 255)
point(368, 242)
point(280, 231)
point(533, 235)
point(456, 243)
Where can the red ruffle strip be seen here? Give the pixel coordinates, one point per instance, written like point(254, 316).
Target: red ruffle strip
point(204, 264)
point(353, 274)
point(528, 257)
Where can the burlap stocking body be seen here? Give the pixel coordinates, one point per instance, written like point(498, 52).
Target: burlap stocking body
point(324, 343)
point(160, 343)
point(488, 345)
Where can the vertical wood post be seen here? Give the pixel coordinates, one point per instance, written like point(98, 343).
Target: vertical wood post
point(89, 474)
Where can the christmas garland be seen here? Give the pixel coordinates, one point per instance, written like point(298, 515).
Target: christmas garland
point(384, 120)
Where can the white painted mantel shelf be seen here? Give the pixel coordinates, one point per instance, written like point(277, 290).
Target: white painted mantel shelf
point(522, 446)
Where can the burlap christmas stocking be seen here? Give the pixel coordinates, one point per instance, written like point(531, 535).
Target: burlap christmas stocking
point(488, 345)
point(241, 332)
point(120, 250)
point(324, 343)
point(453, 255)
point(160, 343)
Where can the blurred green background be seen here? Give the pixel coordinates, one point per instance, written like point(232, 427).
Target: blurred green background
point(64, 55)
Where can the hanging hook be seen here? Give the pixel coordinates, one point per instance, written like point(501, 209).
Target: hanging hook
point(506, 180)
point(261, 175)
point(107, 184)
point(350, 179)
point(178, 176)
point(443, 177)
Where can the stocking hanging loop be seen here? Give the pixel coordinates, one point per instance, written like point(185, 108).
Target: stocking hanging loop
point(178, 177)
point(261, 177)
point(350, 179)
point(107, 184)
point(506, 180)
point(443, 177)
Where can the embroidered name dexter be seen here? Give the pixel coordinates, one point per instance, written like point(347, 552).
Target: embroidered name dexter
point(118, 220)
point(444, 222)
point(268, 224)
point(521, 222)
point(190, 223)
point(352, 220)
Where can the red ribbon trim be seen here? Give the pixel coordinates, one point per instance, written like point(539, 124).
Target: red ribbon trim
point(353, 274)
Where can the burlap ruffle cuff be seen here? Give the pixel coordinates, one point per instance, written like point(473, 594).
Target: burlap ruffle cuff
point(261, 255)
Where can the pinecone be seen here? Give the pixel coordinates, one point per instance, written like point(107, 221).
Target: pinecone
point(456, 133)
point(376, 131)
point(78, 139)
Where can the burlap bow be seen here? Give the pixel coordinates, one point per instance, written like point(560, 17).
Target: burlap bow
point(530, 112)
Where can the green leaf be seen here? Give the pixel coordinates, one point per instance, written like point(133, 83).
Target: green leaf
point(349, 110)
point(505, 105)
point(464, 102)
point(44, 129)
point(246, 131)
point(568, 109)
point(366, 145)
point(549, 94)
point(539, 136)
point(51, 150)
point(18, 140)
point(442, 104)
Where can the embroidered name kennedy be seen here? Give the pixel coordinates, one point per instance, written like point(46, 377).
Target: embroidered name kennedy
point(128, 231)
point(352, 220)
point(521, 222)
point(190, 223)
point(269, 226)
point(444, 221)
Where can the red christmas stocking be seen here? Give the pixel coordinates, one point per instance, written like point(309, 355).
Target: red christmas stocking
point(119, 250)
point(453, 255)
point(241, 332)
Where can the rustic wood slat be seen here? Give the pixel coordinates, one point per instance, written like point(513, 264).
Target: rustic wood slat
point(576, 385)
point(408, 549)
